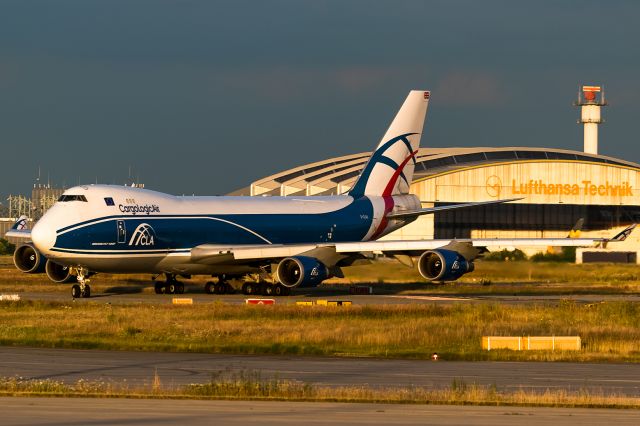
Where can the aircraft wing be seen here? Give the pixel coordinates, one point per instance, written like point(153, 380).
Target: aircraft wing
point(19, 229)
point(431, 210)
point(211, 254)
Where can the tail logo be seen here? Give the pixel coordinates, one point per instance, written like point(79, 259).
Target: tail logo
point(144, 235)
point(379, 157)
point(22, 224)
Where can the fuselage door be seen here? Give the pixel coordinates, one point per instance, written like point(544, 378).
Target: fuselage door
point(122, 232)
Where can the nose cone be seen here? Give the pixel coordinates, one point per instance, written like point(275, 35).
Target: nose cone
point(43, 236)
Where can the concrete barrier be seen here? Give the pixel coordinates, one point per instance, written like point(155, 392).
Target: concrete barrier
point(360, 289)
point(532, 343)
point(324, 303)
point(260, 301)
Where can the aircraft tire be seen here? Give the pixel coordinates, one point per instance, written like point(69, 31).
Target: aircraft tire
point(249, 289)
point(209, 288)
point(171, 288)
point(279, 290)
point(269, 290)
point(179, 288)
point(75, 291)
point(159, 287)
point(219, 288)
point(87, 291)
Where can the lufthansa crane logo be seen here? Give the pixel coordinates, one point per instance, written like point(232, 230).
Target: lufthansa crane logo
point(144, 235)
point(493, 186)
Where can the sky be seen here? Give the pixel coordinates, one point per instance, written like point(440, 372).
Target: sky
point(203, 97)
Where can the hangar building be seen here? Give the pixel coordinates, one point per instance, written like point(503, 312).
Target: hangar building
point(557, 187)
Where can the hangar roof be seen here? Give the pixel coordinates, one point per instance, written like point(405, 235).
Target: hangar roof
point(336, 175)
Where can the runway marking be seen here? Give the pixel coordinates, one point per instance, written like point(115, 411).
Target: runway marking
point(434, 298)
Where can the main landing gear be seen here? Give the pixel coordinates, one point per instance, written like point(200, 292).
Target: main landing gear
point(82, 289)
point(170, 286)
point(222, 286)
point(265, 288)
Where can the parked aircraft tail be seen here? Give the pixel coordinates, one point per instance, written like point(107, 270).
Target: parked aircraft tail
point(20, 224)
point(19, 229)
point(390, 168)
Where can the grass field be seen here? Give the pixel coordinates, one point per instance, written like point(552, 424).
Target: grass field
point(249, 386)
point(609, 331)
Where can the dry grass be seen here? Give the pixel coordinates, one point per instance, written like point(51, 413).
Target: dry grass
point(506, 278)
point(249, 386)
point(609, 331)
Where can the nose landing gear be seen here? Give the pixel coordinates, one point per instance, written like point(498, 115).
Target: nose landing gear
point(82, 289)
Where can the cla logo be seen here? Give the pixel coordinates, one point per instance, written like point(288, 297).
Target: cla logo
point(494, 186)
point(315, 272)
point(455, 266)
point(144, 235)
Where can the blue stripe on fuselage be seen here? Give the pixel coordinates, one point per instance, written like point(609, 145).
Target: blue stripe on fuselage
point(350, 223)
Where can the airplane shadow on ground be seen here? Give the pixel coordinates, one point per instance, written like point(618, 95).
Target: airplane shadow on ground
point(332, 290)
point(377, 289)
point(129, 287)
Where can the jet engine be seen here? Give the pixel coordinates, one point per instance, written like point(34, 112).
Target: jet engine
point(301, 271)
point(443, 265)
point(58, 273)
point(28, 259)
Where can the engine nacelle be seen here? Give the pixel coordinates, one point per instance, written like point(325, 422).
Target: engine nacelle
point(443, 265)
point(28, 259)
point(301, 271)
point(58, 273)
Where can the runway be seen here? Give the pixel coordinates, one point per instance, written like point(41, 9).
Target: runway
point(174, 369)
point(84, 411)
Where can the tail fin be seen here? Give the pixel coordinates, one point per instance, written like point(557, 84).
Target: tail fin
point(390, 168)
point(20, 224)
point(19, 229)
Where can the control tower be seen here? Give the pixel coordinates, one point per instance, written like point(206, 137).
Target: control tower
point(590, 99)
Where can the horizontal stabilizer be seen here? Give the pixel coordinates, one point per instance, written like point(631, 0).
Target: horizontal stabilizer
point(431, 210)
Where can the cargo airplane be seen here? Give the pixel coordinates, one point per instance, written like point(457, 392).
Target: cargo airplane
point(279, 243)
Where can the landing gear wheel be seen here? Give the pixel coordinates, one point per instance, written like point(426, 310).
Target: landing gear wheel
point(279, 290)
point(171, 287)
point(86, 292)
point(219, 288)
point(159, 287)
point(209, 288)
point(249, 288)
point(269, 289)
point(228, 288)
point(180, 287)
point(75, 291)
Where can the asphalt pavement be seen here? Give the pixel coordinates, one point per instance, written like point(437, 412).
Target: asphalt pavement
point(175, 369)
point(131, 412)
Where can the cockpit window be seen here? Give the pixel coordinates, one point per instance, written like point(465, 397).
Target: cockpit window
point(65, 198)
